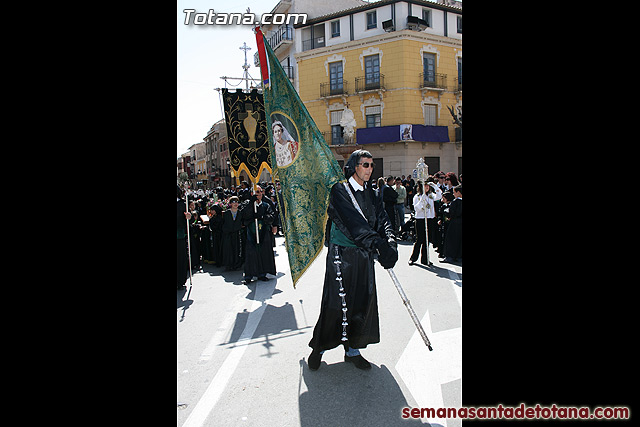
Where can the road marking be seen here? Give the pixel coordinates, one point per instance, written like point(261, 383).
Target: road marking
point(423, 371)
point(457, 285)
point(199, 415)
point(223, 329)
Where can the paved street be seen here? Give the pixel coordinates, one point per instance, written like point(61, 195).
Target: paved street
point(242, 350)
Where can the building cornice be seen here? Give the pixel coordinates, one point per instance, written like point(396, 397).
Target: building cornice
point(375, 5)
point(406, 34)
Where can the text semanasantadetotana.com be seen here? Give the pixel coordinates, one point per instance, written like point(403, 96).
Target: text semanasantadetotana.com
point(522, 412)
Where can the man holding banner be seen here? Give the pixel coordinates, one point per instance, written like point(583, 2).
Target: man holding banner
point(349, 310)
point(358, 227)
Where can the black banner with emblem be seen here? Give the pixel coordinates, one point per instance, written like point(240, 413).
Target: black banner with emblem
point(247, 132)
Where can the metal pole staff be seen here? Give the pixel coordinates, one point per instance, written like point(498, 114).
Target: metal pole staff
point(186, 198)
point(395, 281)
point(412, 313)
point(255, 210)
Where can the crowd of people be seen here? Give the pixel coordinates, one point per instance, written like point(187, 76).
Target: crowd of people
point(436, 215)
point(230, 228)
point(235, 229)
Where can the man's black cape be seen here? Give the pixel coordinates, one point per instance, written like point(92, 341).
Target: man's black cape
point(259, 258)
point(356, 269)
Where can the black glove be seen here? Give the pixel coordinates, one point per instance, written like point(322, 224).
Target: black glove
point(388, 252)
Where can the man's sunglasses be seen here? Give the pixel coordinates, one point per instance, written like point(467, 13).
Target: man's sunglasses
point(366, 165)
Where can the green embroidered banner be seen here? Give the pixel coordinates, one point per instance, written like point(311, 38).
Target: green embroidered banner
point(300, 159)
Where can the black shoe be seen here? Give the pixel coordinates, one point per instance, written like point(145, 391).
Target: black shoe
point(359, 361)
point(314, 360)
point(411, 262)
point(263, 278)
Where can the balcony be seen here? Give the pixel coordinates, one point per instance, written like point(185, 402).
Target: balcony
point(333, 139)
point(288, 70)
point(283, 35)
point(334, 88)
point(433, 81)
point(313, 43)
point(372, 82)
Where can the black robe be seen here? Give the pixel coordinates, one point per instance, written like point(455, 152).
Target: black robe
point(211, 239)
point(443, 218)
point(194, 238)
point(231, 239)
point(389, 196)
point(259, 258)
point(453, 238)
point(356, 270)
point(182, 262)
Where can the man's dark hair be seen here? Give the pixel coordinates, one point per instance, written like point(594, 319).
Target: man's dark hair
point(354, 159)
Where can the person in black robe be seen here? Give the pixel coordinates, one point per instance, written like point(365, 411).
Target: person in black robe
point(453, 238)
point(389, 195)
point(211, 236)
point(182, 257)
point(194, 234)
point(443, 221)
point(259, 257)
point(349, 307)
point(232, 235)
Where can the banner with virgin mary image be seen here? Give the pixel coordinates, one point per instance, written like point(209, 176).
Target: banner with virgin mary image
point(300, 159)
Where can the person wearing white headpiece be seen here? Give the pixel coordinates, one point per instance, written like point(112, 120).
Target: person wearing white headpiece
point(286, 147)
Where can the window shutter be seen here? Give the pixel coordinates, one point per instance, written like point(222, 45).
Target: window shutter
point(430, 118)
point(372, 110)
point(336, 116)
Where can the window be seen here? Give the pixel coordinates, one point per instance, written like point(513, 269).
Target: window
point(460, 24)
point(430, 116)
point(373, 120)
point(336, 134)
point(372, 71)
point(426, 16)
point(372, 20)
point(336, 116)
point(429, 65)
point(335, 29)
point(335, 77)
point(318, 35)
point(459, 73)
point(433, 163)
point(373, 115)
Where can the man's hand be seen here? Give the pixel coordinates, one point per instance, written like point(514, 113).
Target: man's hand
point(388, 252)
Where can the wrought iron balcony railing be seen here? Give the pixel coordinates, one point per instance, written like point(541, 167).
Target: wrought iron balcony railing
point(433, 80)
point(370, 82)
point(334, 87)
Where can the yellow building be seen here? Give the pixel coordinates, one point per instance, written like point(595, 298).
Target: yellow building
point(397, 66)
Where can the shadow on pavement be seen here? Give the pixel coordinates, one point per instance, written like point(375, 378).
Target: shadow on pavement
point(342, 395)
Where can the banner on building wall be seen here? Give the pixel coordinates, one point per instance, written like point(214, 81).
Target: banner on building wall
point(246, 132)
point(406, 132)
point(302, 161)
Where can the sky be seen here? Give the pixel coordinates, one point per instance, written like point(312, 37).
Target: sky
point(206, 53)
